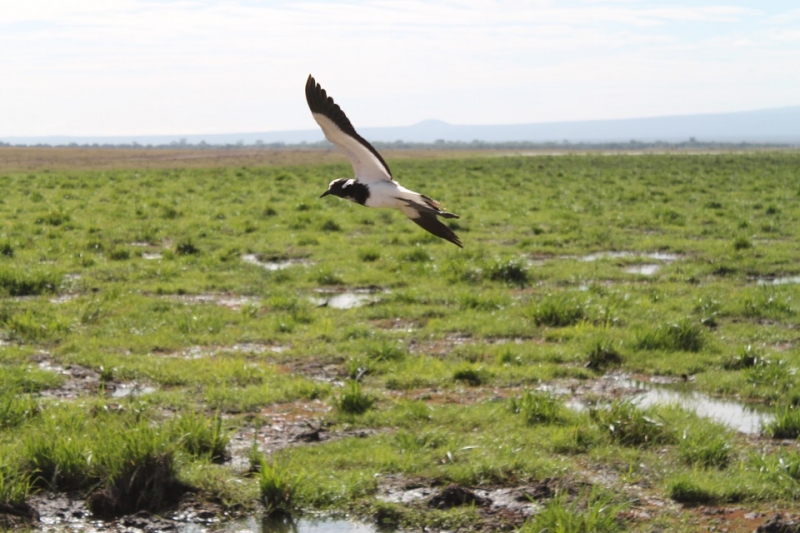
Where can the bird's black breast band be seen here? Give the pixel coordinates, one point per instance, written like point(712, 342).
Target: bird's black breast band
point(358, 192)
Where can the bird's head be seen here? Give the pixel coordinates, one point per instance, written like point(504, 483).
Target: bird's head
point(337, 188)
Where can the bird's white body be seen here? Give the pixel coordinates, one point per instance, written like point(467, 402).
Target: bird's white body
point(392, 195)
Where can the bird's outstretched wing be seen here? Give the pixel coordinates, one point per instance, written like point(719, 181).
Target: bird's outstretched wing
point(427, 220)
point(368, 164)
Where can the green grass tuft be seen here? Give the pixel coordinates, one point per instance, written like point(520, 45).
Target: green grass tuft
point(201, 436)
point(138, 472)
point(786, 424)
point(538, 408)
point(602, 355)
point(689, 488)
point(278, 486)
point(28, 282)
point(353, 400)
point(186, 247)
point(513, 272)
point(599, 514)
point(471, 375)
point(15, 487)
point(559, 310)
point(705, 446)
point(685, 335)
point(630, 426)
point(16, 408)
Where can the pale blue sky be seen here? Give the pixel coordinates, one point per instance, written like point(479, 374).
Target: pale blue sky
point(120, 67)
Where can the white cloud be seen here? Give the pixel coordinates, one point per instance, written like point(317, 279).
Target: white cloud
point(135, 66)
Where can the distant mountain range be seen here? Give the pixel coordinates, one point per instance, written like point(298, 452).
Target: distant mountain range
point(780, 125)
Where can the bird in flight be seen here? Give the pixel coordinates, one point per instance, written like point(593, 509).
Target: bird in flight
point(373, 185)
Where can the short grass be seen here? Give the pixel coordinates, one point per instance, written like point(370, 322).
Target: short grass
point(134, 275)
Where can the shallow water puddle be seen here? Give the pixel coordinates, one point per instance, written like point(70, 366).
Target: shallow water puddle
point(272, 265)
point(230, 301)
point(124, 390)
point(788, 280)
point(736, 415)
point(644, 270)
point(63, 298)
point(303, 525)
point(345, 300)
point(657, 256)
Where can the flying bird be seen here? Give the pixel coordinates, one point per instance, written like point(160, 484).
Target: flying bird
point(373, 185)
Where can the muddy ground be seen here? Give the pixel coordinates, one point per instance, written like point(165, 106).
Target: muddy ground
point(303, 423)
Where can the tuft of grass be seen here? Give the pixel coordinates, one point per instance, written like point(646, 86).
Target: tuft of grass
point(56, 456)
point(417, 255)
point(689, 488)
point(330, 225)
point(369, 255)
point(598, 514)
point(6, 249)
point(559, 310)
point(471, 375)
point(32, 326)
point(186, 247)
point(138, 472)
point(327, 277)
point(707, 447)
point(278, 486)
point(119, 254)
point(513, 272)
point(786, 424)
point(778, 466)
point(630, 426)
point(353, 400)
point(27, 282)
point(685, 335)
point(202, 436)
point(53, 218)
point(602, 355)
point(776, 377)
point(538, 408)
point(767, 303)
point(385, 350)
point(742, 243)
point(16, 408)
point(15, 486)
point(747, 357)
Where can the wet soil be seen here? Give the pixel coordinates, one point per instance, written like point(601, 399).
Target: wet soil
point(303, 423)
point(70, 513)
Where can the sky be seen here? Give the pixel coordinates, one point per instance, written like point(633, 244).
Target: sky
point(137, 67)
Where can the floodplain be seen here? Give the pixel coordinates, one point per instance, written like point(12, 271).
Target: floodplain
point(199, 343)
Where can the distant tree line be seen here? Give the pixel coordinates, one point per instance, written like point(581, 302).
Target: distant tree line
point(440, 144)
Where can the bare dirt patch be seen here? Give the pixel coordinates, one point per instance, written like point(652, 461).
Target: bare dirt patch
point(289, 424)
point(78, 380)
point(58, 158)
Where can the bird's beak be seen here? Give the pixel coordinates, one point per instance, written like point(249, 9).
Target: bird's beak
point(326, 193)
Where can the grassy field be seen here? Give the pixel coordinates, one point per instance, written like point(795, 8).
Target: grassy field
point(172, 331)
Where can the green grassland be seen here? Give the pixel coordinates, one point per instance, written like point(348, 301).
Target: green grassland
point(137, 276)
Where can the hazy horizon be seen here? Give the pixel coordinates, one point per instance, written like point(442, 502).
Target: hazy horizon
point(779, 125)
